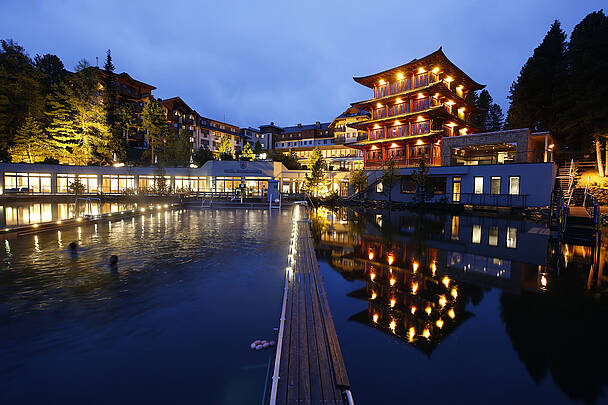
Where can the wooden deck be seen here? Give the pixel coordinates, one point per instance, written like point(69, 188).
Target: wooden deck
point(310, 365)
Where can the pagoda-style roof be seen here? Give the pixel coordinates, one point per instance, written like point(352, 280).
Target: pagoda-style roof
point(429, 62)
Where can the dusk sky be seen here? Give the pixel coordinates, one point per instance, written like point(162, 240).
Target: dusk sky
point(253, 62)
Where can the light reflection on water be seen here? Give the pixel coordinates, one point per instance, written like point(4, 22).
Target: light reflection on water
point(191, 291)
point(14, 214)
point(482, 299)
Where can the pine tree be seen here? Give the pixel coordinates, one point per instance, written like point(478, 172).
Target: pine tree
point(202, 156)
point(61, 128)
point(495, 120)
point(583, 116)
point(247, 152)
point(532, 95)
point(225, 150)
point(316, 182)
point(155, 123)
point(257, 148)
point(483, 102)
point(117, 142)
point(30, 144)
point(180, 149)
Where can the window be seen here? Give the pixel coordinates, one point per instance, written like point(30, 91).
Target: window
point(493, 236)
point(408, 185)
point(478, 186)
point(456, 189)
point(495, 185)
point(438, 184)
point(476, 236)
point(511, 237)
point(514, 185)
point(455, 228)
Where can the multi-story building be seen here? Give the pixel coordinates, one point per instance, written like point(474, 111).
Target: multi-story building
point(135, 94)
point(269, 133)
point(254, 136)
point(303, 139)
point(212, 132)
point(413, 106)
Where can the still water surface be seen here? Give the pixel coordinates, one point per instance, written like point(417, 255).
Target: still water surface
point(440, 309)
point(173, 325)
point(428, 308)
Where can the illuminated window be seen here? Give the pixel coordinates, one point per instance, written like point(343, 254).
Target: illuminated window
point(514, 185)
point(493, 236)
point(495, 185)
point(478, 185)
point(456, 189)
point(455, 228)
point(476, 236)
point(511, 237)
point(379, 187)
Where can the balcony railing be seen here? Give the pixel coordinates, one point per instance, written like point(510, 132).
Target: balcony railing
point(500, 157)
point(403, 163)
point(492, 200)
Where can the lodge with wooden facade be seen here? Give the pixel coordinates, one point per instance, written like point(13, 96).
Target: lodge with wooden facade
point(413, 107)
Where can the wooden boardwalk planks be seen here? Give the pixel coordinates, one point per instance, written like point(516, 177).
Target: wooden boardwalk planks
point(311, 369)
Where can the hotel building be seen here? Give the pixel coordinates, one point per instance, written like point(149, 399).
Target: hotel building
point(419, 112)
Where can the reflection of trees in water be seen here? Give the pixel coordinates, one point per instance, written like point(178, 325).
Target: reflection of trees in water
point(564, 333)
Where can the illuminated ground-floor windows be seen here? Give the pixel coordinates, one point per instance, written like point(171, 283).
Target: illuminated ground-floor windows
point(89, 181)
point(31, 182)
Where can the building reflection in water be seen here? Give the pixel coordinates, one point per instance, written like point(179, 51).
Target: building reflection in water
point(422, 271)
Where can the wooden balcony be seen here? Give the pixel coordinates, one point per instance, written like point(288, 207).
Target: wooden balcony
point(404, 163)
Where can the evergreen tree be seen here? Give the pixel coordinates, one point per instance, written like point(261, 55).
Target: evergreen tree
point(20, 91)
point(110, 99)
point(30, 143)
point(483, 102)
point(495, 120)
point(358, 180)
point(155, 123)
point(583, 116)
point(52, 70)
point(247, 152)
point(390, 176)
point(179, 149)
point(257, 148)
point(202, 156)
point(424, 189)
point(316, 182)
point(532, 95)
point(225, 150)
point(61, 128)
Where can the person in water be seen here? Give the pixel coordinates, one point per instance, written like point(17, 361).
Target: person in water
point(73, 246)
point(114, 263)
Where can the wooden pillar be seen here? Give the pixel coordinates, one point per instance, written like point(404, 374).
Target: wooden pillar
point(546, 148)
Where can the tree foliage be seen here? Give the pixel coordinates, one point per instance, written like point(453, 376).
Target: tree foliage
point(289, 159)
point(225, 150)
point(202, 156)
point(247, 152)
point(424, 190)
point(316, 181)
point(358, 180)
point(390, 176)
point(179, 149)
point(257, 148)
point(30, 145)
point(155, 124)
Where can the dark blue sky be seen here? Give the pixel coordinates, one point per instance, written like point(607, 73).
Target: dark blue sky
point(253, 62)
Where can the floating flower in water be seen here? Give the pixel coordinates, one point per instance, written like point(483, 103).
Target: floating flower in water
point(392, 281)
point(375, 318)
point(451, 313)
point(442, 300)
point(413, 310)
point(439, 323)
point(454, 293)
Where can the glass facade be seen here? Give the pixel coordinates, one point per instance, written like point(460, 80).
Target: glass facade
point(89, 181)
point(28, 182)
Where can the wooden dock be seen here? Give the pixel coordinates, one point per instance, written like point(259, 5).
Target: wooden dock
point(309, 368)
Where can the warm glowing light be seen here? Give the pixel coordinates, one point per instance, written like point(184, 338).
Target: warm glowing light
point(421, 70)
point(419, 142)
point(394, 145)
point(58, 222)
point(435, 70)
point(446, 281)
point(158, 207)
point(414, 288)
point(411, 334)
point(382, 82)
point(450, 102)
point(420, 118)
point(543, 280)
point(400, 76)
point(426, 333)
point(451, 313)
point(448, 79)
point(454, 293)
point(451, 124)
point(397, 122)
point(376, 126)
point(35, 226)
point(442, 301)
point(143, 210)
point(392, 302)
point(433, 268)
point(166, 205)
point(428, 310)
point(392, 325)
point(374, 147)
point(415, 267)
point(439, 323)
point(79, 219)
point(420, 95)
point(372, 276)
point(413, 309)
point(392, 281)
point(390, 259)
point(379, 105)
point(374, 295)
point(459, 87)
point(398, 101)
point(551, 146)
point(118, 164)
point(370, 255)
point(375, 318)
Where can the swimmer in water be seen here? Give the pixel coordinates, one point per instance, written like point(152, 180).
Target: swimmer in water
point(73, 246)
point(114, 263)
